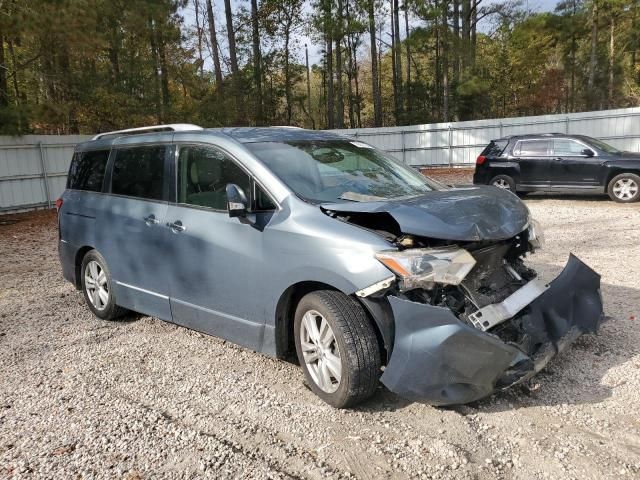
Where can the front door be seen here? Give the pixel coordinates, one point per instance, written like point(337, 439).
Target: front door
point(133, 233)
point(534, 160)
point(216, 261)
point(571, 168)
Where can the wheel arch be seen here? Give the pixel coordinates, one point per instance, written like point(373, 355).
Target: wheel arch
point(80, 254)
point(614, 171)
point(285, 312)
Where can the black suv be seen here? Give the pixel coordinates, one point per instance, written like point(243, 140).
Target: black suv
point(561, 164)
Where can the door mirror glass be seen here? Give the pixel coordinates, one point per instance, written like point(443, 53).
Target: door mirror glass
point(237, 203)
point(587, 152)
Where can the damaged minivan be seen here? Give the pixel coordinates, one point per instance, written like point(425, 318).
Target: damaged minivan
point(289, 241)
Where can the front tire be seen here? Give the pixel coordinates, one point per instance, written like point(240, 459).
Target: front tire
point(505, 182)
point(624, 188)
point(337, 348)
point(97, 287)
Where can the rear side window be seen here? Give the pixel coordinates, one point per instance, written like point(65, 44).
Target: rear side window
point(532, 148)
point(495, 148)
point(139, 172)
point(87, 170)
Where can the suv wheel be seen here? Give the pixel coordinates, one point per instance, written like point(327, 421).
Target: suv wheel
point(505, 182)
point(624, 188)
point(337, 348)
point(97, 287)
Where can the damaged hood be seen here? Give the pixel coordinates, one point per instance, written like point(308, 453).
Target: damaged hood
point(471, 213)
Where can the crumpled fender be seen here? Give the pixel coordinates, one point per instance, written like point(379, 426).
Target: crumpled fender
point(440, 360)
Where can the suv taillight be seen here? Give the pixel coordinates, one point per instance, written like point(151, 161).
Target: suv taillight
point(59, 203)
point(480, 160)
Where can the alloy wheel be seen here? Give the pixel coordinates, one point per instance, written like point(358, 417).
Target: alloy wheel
point(95, 282)
point(625, 188)
point(320, 351)
point(502, 183)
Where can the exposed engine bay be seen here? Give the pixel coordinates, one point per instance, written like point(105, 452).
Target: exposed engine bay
point(495, 274)
point(460, 314)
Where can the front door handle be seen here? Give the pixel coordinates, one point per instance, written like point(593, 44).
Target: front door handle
point(176, 227)
point(151, 220)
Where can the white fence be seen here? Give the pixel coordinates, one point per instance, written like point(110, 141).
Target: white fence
point(33, 168)
point(459, 143)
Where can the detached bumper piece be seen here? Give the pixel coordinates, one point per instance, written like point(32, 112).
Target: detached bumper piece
point(440, 360)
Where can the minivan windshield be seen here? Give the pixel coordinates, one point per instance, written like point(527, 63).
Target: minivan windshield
point(340, 170)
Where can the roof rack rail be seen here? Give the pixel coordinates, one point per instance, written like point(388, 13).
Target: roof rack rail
point(172, 127)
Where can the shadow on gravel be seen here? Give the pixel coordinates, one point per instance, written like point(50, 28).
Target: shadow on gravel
point(567, 196)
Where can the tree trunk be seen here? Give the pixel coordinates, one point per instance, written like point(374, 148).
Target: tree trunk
point(398, 58)
point(330, 99)
point(196, 7)
point(14, 66)
point(350, 105)
point(474, 24)
point(257, 61)
point(4, 97)
point(231, 36)
point(164, 74)
point(612, 57)
point(593, 59)
point(356, 72)
point(375, 90)
point(214, 44)
point(156, 75)
point(306, 54)
point(407, 32)
point(339, 93)
point(456, 41)
point(394, 72)
point(287, 73)
point(445, 61)
point(465, 46)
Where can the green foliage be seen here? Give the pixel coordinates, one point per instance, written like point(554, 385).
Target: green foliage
point(83, 66)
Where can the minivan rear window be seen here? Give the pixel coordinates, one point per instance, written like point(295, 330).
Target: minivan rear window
point(139, 172)
point(495, 148)
point(87, 170)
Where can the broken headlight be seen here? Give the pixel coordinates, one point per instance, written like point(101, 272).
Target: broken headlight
point(536, 235)
point(424, 267)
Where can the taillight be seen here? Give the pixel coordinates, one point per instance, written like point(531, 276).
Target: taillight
point(480, 160)
point(59, 203)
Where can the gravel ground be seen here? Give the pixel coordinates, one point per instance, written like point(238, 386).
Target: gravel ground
point(141, 398)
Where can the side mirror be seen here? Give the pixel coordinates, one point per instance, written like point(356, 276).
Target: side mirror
point(237, 203)
point(588, 152)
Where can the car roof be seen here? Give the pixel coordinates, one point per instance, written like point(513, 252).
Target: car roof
point(273, 134)
point(239, 134)
point(542, 136)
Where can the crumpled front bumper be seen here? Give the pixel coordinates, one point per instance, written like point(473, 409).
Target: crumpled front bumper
point(440, 360)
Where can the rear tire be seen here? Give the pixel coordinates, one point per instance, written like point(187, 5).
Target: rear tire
point(624, 188)
point(97, 287)
point(337, 348)
point(505, 182)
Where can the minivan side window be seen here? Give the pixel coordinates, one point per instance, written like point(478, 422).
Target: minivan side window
point(87, 170)
point(139, 172)
point(203, 175)
point(533, 148)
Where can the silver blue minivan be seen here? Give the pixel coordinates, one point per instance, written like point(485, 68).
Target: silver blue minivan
point(296, 242)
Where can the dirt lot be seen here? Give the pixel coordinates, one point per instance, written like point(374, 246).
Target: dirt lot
point(141, 398)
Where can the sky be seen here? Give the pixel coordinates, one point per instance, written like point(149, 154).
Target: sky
point(315, 50)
